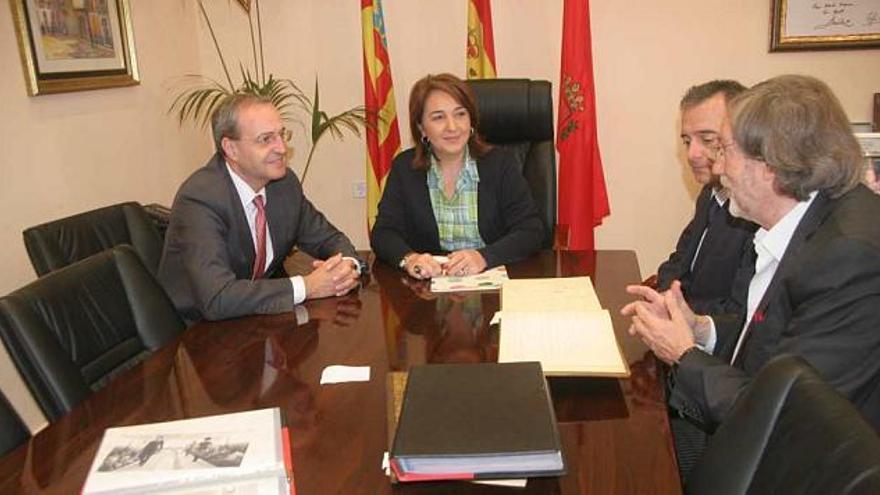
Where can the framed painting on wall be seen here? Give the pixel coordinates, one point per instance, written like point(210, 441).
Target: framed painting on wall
point(821, 25)
point(75, 45)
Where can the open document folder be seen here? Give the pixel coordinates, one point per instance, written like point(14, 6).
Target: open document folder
point(559, 322)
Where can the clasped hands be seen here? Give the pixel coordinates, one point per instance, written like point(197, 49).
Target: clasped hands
point(334, 276)
point(464, 262)
point(665, 322)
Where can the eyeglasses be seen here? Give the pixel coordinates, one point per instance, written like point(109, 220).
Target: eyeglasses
point(730, 148)
point(267, 138)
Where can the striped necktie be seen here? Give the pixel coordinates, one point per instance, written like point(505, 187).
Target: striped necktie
point(260, 227)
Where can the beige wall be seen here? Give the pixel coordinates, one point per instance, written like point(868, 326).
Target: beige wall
point(68, 153)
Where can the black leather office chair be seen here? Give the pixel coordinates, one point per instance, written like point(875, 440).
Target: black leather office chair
point(518, 114)
point(12, 431)
point(56, 244)
point(160, 217)
point(790, 433)
point(73, 330)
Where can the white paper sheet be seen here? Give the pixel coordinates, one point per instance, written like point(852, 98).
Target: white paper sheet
point(342, 374)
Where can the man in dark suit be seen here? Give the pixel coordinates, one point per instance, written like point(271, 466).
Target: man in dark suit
point(793, 166)
point(234, 220)
point(711, 246)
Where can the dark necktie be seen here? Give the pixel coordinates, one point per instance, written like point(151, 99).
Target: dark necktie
point(260, 227)
point(713, 225)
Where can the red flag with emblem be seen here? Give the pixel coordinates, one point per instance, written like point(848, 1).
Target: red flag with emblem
point(583, 200)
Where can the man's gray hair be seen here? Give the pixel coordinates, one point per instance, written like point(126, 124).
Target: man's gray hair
point(702, 92)
point(224, 120)
point(797, 127)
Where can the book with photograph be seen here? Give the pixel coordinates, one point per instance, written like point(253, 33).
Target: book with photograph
point(238, 453)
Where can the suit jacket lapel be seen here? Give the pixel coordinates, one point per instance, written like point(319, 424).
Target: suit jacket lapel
point(274, 214)
point(811, 221)
point(701, 221)
point(238, 229)
point(423, 197)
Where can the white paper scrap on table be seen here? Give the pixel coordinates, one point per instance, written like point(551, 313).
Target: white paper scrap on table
point(386, 463)
point(341, 374)
point(496, 318)
point(513, 483)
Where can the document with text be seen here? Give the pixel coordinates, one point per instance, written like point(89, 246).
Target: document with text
point(559, 322)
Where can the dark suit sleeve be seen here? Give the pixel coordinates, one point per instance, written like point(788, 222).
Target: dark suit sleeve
point(735, 302)
point(679, 262)
point(833, 325)
point(522, 228)
point(388, 237)
point(216, 291)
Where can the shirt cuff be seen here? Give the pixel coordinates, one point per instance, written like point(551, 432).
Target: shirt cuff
point(357, 263)
point(299, 289)
point(710, 337)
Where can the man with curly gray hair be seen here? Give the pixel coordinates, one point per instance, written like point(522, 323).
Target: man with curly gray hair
point(792, 166)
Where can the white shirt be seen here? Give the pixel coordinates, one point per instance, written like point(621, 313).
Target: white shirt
point(770, 246)
point(247, 195)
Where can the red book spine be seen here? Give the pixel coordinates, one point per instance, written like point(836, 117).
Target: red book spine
point(288, 458)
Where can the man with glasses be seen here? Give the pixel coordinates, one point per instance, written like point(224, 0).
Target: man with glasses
point(792, 166)
point(711, 246)
point(235, 220)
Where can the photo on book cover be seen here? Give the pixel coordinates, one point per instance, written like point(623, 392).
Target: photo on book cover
point(134, 452)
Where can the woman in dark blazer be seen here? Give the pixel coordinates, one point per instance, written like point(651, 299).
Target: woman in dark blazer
point(452, 194)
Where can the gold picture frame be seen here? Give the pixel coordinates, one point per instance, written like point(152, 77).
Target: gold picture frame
point(75, 46)
point(826, 25)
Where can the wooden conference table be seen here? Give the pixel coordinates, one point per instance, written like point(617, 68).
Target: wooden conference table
point(616, 436)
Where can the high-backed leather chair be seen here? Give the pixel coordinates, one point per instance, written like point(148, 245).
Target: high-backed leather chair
point(73, 330)
point(12, 431)
point(56, 244)
point(790, 433)
point(518, 114)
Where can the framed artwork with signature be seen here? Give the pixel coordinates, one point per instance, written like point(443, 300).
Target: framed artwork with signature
point(820, 25)
point(75, 45)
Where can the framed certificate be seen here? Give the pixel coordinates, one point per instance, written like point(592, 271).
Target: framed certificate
point(810, 25)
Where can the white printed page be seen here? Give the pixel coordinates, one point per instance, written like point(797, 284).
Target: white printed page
point(174, 454)
point(549, 295)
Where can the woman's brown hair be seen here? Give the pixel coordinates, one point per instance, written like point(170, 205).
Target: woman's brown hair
point(461, 93)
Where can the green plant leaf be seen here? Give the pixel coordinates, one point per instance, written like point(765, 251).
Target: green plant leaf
point(200, 96)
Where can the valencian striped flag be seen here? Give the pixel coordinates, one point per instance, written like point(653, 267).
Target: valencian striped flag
point(583, 201)
point(383, 135)
point(480, 43)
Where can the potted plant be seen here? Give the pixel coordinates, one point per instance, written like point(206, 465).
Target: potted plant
point(201, 95)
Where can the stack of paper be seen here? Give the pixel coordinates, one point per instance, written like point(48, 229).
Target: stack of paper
point(559, 322)
point(488, 280)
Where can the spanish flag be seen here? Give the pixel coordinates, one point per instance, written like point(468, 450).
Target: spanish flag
point(480, 43)
point(383, 135)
